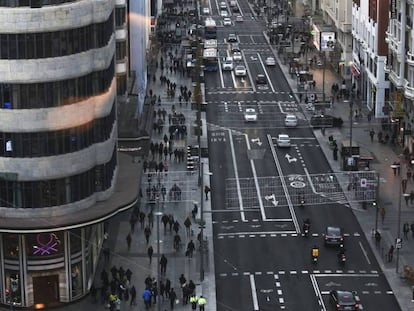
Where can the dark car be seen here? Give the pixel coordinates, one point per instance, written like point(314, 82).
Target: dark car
point(261, 79)
point(333, 236)
point(344, 300)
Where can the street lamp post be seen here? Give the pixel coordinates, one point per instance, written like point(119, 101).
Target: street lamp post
point(397, 166)
point(158, 214)
point(202, 225)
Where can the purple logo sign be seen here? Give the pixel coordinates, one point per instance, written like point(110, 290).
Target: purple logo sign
point(47, 248)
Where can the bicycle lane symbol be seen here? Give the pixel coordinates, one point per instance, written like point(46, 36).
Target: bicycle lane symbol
point(297, 181)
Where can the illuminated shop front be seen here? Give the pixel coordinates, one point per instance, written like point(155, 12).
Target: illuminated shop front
point(49, 268)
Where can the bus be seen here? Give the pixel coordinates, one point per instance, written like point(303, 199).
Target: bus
point(210, 29)
point(210, 59)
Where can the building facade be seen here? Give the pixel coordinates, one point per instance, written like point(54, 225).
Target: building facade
point(62, 64)
point(338, 15)
point(369, 53)
point(400, 68)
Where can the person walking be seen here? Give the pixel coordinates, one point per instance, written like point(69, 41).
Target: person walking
point(167, 288)
point(176, 227)
point(202, 303)
point(206, 191)
point(412, 197)
point(177, 242)
point(190, 248)
point(187, 224)
point(147, 233)
point(129, 240)
point(406, 229)
point(390, 253)
point(164, 220)
point(382, 214)
point(150, 251)
point(133, 293)
point(371, 134)
point(173, 297)
point(146, 296)
point(163, 264)
point(193, 301)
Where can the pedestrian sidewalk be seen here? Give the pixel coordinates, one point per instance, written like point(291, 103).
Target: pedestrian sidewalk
point(384, 156)
point(136, 258)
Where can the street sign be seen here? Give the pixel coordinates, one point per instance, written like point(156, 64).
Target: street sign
point(363, 182)
point(398, 243)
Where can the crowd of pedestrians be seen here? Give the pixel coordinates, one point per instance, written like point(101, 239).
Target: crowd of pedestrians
point(167, 147)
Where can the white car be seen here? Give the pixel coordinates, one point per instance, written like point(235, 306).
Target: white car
point(237, 56)
point(227, 21)
point(228, 64)
point(291, 120)
point(283, 140)
point(239, 18)
point(224, 13)
point(223, 5)
point(240, 71)
point(270, 61)
point(206, 11)
point(250, 115)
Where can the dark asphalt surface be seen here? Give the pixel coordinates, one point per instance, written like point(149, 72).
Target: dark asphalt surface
point(261, 261)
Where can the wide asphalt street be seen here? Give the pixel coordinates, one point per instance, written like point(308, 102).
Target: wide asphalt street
point(262, 261)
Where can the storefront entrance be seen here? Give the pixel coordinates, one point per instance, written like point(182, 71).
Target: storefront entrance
point(46, 290)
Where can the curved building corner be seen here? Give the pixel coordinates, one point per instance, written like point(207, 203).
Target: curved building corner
point(63, 64)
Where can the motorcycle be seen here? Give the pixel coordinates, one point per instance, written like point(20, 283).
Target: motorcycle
point(342, 258)
point(306, 228)
point(315, 255)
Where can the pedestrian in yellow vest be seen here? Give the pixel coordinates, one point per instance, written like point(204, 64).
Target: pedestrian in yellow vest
point(193, 301)
point(201, 303)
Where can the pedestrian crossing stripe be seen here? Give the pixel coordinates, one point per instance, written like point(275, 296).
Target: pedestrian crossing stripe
point(317, 273)
point(292, 234)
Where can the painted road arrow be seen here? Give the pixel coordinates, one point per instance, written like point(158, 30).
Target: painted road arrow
point(290, 158)
point(257, 141)
point(272, 198)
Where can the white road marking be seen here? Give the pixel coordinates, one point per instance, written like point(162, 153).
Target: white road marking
point(279, 169)
point(254, 294)
point(249, 73)
point(364, 252)
point(265, 71)
point(243, 234)
point(317, 292)
point(221, 73)
point(236, 175)
point(256, 181)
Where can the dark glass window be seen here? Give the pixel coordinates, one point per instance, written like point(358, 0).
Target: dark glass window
point(120, 16)
point(43, 144)
point(32, 3)
point(58, 43)
point(121, 50)
point(121, 85)
point(58, 93)
point(55, 192)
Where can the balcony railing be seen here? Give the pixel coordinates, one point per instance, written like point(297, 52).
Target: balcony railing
point(408, 90)
point(410, 58)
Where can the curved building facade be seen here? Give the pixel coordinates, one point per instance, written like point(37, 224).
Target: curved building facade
point(59, 163)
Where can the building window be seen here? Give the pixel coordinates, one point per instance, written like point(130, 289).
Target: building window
point(120, 17)
point(55, 192)
point(41, 144)
point(56, 44)
point(57, 93)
